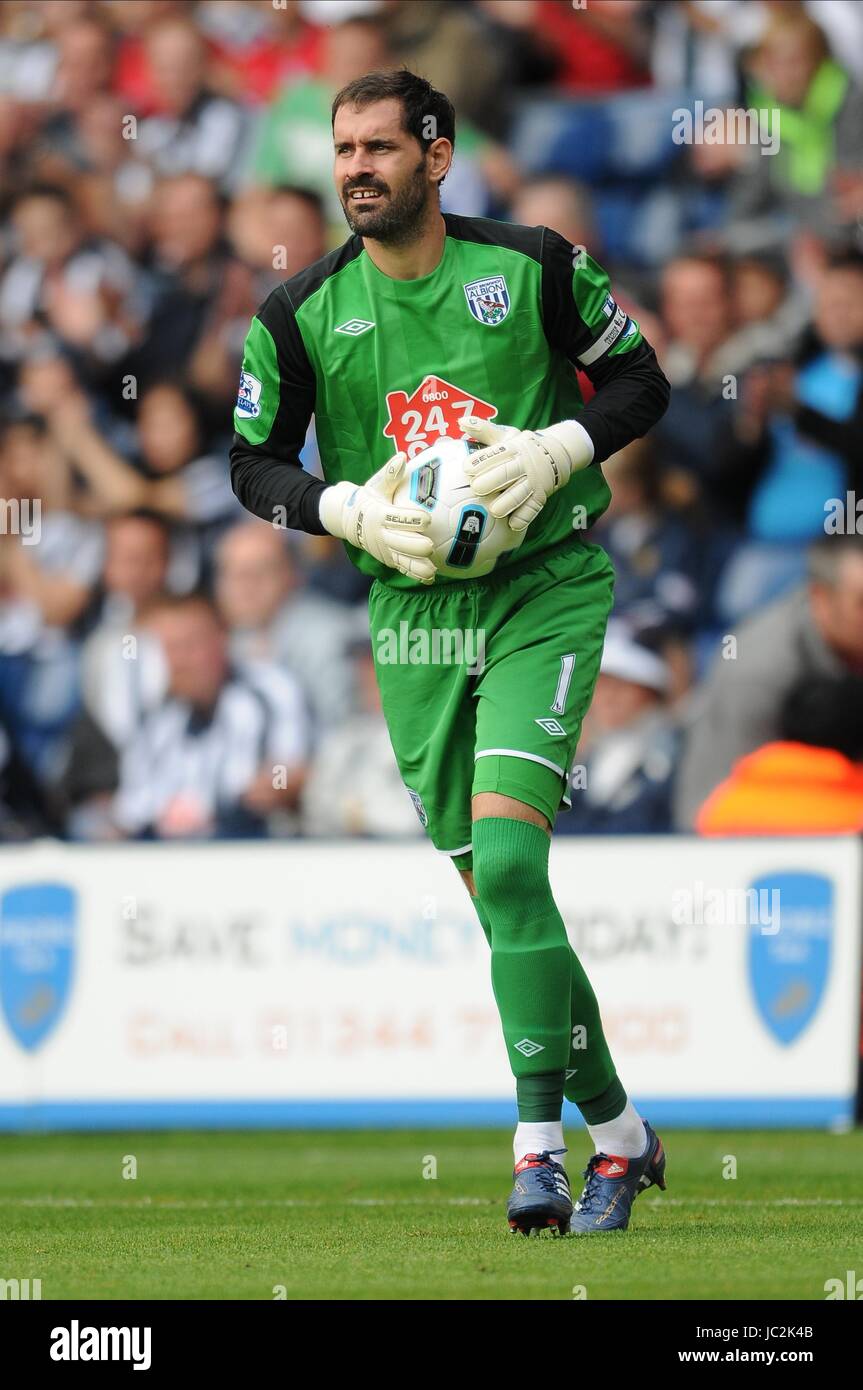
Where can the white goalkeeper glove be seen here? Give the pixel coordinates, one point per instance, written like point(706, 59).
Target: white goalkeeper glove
point(520, 469)
point(364, 514)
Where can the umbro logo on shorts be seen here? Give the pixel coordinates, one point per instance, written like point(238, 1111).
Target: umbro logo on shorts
point(551, 726)
point(528, 1048)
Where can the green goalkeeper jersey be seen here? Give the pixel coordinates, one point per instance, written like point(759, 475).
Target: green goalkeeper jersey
point(497, 330)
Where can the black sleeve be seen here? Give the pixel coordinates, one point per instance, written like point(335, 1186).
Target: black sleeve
point(584, 322)
point(275, 405)
point(840, 436)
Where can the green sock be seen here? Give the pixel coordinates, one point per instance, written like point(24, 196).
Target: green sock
point(604, 1107)
point(590, 1071)
point(483, 918)
point(530, 965)
point(591, 1080)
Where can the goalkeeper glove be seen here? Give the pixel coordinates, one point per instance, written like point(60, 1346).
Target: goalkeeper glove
point(522, 468)
point(364, 514)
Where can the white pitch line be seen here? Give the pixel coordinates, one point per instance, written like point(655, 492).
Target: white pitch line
point(238, 1203)
point(729, 1203)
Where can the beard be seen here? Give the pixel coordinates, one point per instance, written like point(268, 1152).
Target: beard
point(397, 220)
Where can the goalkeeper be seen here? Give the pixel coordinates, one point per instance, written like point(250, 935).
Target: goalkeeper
point(423, 325)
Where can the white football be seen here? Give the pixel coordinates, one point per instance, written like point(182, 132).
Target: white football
point(467, 539)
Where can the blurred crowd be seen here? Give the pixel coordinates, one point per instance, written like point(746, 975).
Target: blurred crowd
point(171, 668)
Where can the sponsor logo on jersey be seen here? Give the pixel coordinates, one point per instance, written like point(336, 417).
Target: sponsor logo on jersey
point(354, 327)
point(488, 300)
point(249, 396)
point(419, 808)
point(433, 410)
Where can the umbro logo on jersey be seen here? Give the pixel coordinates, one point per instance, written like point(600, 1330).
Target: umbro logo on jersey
point(528, 1048)
point(551, 726)
point(354, 327)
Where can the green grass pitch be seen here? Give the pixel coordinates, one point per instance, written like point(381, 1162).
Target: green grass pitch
point(350, 1215)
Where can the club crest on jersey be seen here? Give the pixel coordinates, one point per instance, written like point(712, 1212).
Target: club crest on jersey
point(488, 300)
point(249, 396)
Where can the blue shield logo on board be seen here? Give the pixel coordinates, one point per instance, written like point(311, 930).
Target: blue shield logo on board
point(789, 968)
point(37, 949)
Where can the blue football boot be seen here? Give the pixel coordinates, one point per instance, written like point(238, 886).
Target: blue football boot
point(541, 1198)
point(613, 1184)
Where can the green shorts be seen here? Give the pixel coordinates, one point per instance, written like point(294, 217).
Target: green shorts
point(485, 684)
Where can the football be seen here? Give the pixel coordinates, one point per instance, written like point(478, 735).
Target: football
point(467, 539)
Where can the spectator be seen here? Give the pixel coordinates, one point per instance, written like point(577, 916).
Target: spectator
point(61, 284)
point(271, 618)
point(224, 750)
point(814, 631)
point(656, 554)
point(446, 43)
point(50, 560)
point(552, 200)
point(355, 787)
point(793, 444)
point(696, 315)
point(260, 46)
point(122, 672)
point(828, 407)
point(273, 234)
point(820, 116)
point(601, 47)
point(192, 130)
point(621, 784)
point(84, 73)
point(189, 263)
point(134, 79)
point(25, 811)
point(174, 476)
point(810, 782)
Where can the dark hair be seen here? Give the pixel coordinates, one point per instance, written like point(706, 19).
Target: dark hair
point(826, 553)
point(420, 101)
point(310, 196)
point(846, 258)
point(19, 418)
point(169, 602)
point(824, 712)
point(54, 192)
point(190, 397)
point(149, 517)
